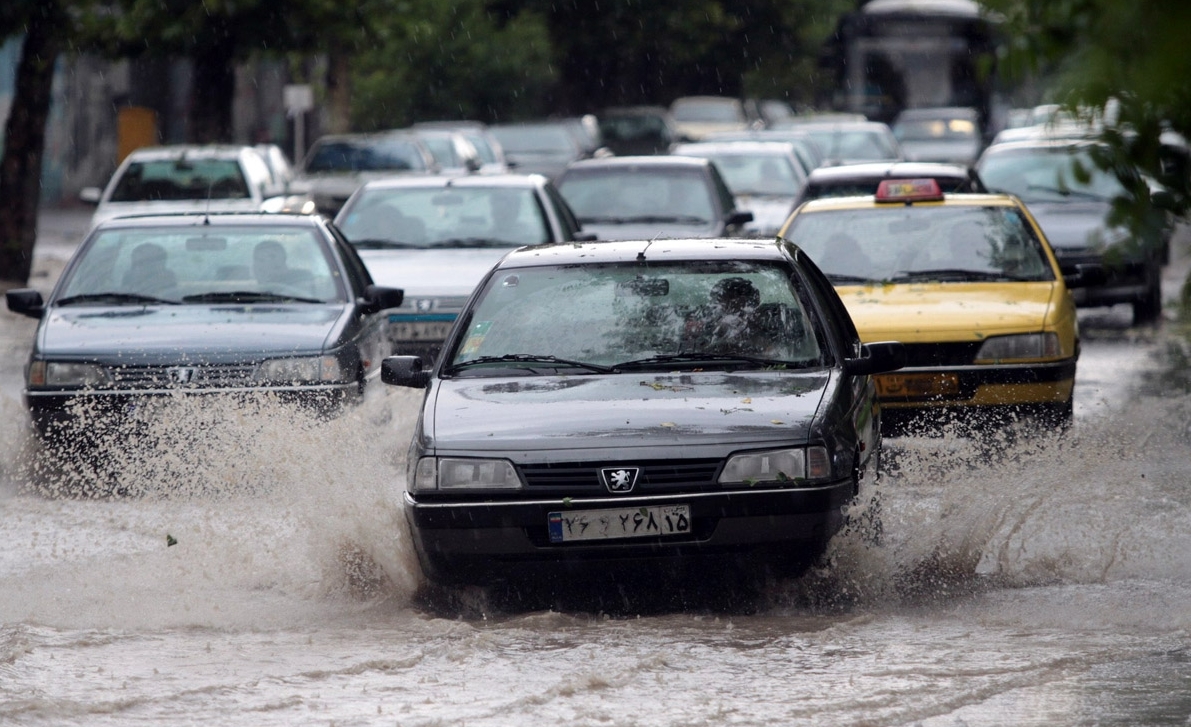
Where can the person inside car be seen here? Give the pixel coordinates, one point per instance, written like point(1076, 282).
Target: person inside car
point(147, 272)
point(270, 267)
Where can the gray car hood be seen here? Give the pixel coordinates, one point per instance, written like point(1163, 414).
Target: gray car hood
point(617, 412)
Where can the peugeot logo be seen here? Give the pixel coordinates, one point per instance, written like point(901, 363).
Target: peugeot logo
point(619, 479)
point(424, 304)
point(181, 375)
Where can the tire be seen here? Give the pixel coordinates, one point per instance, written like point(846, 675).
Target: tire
point(1148, 308)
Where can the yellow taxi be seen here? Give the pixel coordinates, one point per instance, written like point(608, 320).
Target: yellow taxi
point(970, 286)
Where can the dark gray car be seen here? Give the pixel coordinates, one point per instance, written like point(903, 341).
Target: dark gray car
point(642, 402)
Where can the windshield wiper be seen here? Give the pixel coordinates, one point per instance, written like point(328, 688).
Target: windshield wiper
point(841, 278)
point(696, 357)
point(474, 242)
point(113, 297)
point(1066, 192)
point(953, 274)
point(646, 220)
point(373, 243)
point(247, 296)
point(526, 360)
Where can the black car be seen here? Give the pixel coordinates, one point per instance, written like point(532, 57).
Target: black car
point(641, 197)
point(202, 304)
point(645, 402)
point(852, 180)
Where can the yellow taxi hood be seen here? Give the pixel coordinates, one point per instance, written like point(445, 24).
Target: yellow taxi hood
point(935, 312)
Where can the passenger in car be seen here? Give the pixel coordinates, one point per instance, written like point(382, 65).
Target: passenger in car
point(270, 266)
point(147, 273)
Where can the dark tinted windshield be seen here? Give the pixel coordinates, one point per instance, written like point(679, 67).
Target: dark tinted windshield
point(180, 179)
point(365, 155)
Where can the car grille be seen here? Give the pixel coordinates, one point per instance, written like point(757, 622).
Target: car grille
point(941, 354)
point(205, 376)
point(657, 475)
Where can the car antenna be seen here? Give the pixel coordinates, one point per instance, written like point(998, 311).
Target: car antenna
point(207, 212)
point(641, 254)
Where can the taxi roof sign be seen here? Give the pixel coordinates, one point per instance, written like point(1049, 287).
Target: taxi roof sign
point(908, 190)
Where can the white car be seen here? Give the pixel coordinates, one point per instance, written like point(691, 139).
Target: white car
point(191, 178)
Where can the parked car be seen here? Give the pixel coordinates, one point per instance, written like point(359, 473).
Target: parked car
point(638, 130)
point(697, 116)
point(640, 404)
point(849, 142)
point(436, 237)
point(492, 156)
point(969, 285)
point(850, 180)
point(765, 177)
point(188, 305)
point(337, 165)
point(621, 198)
point(810, 156)
point(950, 135)
point(544, 147)
point(189, 178)
point(1071, 197)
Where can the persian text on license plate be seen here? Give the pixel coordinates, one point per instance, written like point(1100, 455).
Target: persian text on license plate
point(420, 330)
point(629, 522)
point(917, 385)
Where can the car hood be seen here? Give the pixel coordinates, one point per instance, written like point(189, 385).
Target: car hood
point(769, 213)
point(617, 412)
point(1071, 225)
point(110, 210)
point(214, 332)
point(437, 272)
point(932, 312)
point(650, 231)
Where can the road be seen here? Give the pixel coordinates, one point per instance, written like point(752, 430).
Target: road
point(1050, 587)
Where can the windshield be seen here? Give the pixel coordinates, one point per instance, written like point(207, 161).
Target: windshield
point(541, 139)
point(364, 155)
point(183, 264)
point(1049, 175)
point(854, 144)
point(445, 217)
point(613, 315)
point(181, 179)
point(756, 174)
point(935, 130)
point(710, 111)
point(945, 244)
point(633, 193)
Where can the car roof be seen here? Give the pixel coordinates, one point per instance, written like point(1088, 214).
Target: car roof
point(617, 251)
point(659, 161)
point(965, 199)
point(211, 219)
point(781, 148)
point(479, 180)
point(873, 170)
point(177, 151)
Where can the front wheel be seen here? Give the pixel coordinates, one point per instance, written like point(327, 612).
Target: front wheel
point(1148, 307)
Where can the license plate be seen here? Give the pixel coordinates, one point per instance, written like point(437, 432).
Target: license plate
point(917, 385)
point(629, 522)
point(420, 330)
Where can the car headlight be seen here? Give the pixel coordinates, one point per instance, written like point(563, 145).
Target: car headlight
point(1022, 346)
point(451, 473)
point(60, 373)
point(308, 370)
point(778, 465)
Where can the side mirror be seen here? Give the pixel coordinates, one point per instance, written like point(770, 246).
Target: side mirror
point(90, 195)
point(404, 371)
point(877, 358)
point(1085, 275)
point(585, 237)
point(739, 217)
point(25, 301)
point(378, 298)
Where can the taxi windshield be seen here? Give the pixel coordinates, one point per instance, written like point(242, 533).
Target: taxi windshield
point(922, 242)
point(592, 318)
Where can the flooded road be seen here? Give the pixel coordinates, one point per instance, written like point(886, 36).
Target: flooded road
point(262, 576)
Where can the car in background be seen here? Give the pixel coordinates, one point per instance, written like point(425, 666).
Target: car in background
point(950, 135)
point(849, 142)
point(190, 178)
point(969, 285)
point(638, 130)
point(697, 116)
point(684, 405)
point(1072, 199)
point(491, 155)
point(453, 153)
point(625, 198)
point(337, 165)
point(852, 180)
point(765, 112)
point(764, 176)
point(540, 147)
point(164, 306)
point(436, 237)
point(810, 156)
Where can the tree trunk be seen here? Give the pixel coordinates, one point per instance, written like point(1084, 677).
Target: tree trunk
point(212, 94)
point(24, 145)
point(338, 89)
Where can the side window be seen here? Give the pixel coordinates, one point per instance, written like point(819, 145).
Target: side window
point(723, 194)
point(838, 321)
point(357, 273)
point(258, 174)
point(566, 217)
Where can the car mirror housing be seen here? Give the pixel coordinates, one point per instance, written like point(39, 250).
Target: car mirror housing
point(90, 195)
point(404, 371)
point(877, 358)
point(740, 217)
point(25, 301)
point(378, 298)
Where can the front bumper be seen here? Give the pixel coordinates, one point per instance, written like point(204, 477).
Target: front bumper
point(978, 385)
point(492, 540)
